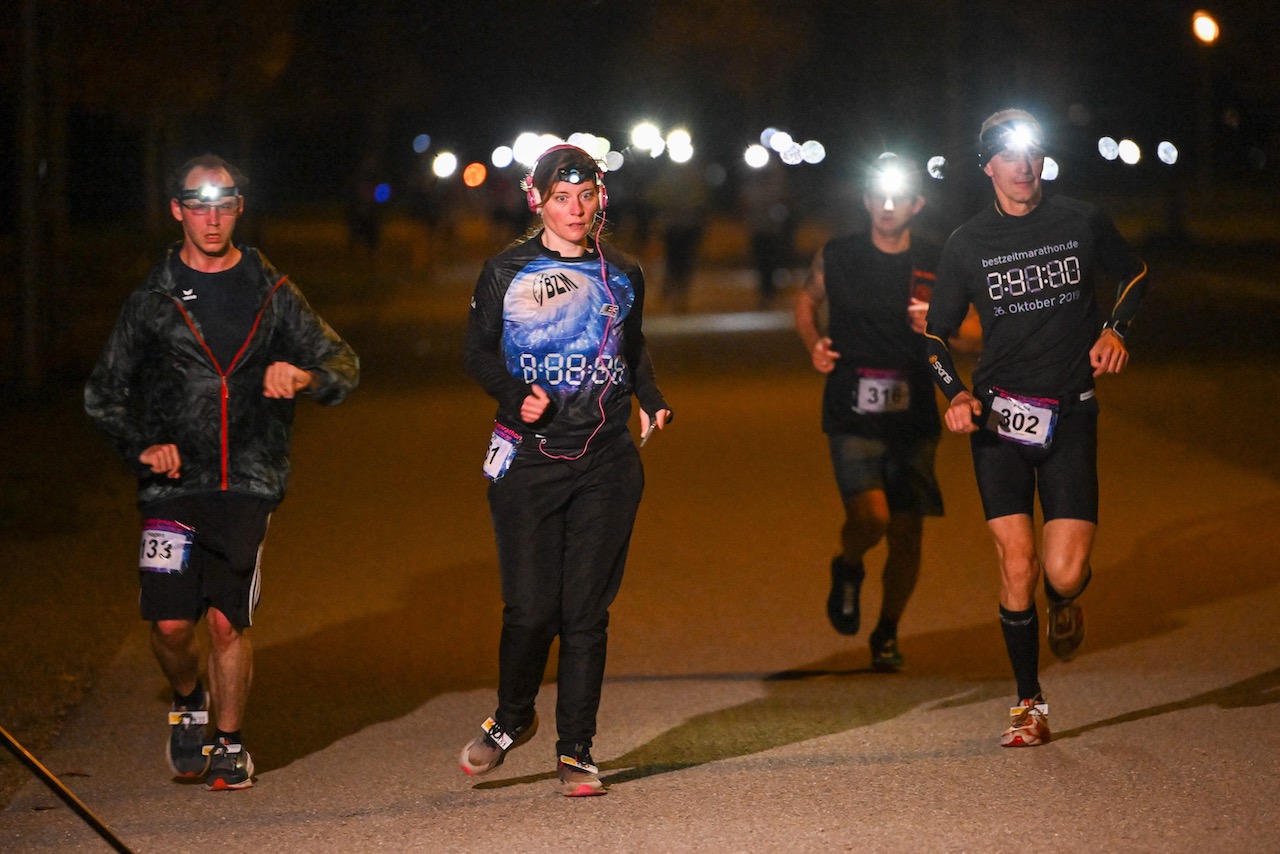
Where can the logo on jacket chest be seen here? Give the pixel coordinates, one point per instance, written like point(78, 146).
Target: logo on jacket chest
point(548, 286)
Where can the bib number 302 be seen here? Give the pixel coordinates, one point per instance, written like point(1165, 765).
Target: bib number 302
point(1027, 420)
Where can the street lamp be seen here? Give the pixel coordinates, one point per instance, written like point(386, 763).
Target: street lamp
point(1205, 28)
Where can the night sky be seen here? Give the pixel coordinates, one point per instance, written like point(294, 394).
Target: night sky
point(303, 92)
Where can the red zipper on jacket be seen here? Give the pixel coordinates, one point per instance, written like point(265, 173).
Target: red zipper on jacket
point(224, 431)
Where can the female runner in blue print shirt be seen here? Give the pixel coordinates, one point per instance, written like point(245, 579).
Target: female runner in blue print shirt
point(554, 336)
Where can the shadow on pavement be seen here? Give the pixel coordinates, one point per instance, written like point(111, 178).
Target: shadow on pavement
point(315, 690)
point(1260, 690)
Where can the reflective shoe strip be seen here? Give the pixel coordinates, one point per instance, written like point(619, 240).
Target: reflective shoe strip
point(196, 717)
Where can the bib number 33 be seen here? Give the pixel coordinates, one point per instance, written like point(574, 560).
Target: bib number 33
point(166, 546)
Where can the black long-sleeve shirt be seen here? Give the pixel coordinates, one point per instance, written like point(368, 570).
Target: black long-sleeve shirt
point(1033, 280)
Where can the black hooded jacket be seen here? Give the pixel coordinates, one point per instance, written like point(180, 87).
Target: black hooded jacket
point(156, 382)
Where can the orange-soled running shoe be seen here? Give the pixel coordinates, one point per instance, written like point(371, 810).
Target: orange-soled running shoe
point(1030, 725)
point(579, 776)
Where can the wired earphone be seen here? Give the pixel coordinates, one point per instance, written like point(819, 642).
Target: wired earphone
point(534, 199)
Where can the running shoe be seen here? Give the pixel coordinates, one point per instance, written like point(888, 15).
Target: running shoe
point(579, 776)
point(842, 602)
point(230, 766)
point(1066, 628)
point(487, 750)
point(185, 751)
point(885, 655)
point(1030, 725)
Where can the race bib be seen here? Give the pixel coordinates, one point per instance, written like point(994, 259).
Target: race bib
point(166, 546)
point(882, 391)
point(502, 450)
point(1027, 420)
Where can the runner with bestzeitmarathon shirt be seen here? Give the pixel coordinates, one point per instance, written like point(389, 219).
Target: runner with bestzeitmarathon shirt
point(1031, 264)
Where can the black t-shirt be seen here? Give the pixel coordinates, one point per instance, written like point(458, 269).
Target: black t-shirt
point(1033, 280)
point(224, 306)
point(867, 293)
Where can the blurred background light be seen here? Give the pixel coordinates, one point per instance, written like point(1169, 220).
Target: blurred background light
point(502, 157)
point(421, 143)
point(937, 166)
point(444, 164)
point(756, 156)
point(813, 151)
point(780, 141)
point(1050, 170)
point(474, 174)
point(1129, 151)
point(1108, 148)
point(382, 193)
point(1167, 152)
point(646, 136)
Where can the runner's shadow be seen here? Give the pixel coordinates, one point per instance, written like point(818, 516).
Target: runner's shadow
point(1260, 690)
point(315, 690)
point(1138, 599)
point(826, 697)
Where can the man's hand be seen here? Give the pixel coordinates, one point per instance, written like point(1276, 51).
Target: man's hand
point(535, 405)
point(918, 314)
point(824, 358)
point(960, 414)
point(283, 380)
point(162, 459)
point(1108, 355)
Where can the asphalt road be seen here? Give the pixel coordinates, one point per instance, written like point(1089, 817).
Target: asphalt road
point(734, 718)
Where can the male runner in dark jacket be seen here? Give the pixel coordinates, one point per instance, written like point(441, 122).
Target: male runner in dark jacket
point(195, 390)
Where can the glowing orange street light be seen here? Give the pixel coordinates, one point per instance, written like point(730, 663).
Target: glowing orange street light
point(1205, 27)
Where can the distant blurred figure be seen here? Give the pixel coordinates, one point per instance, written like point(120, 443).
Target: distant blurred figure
point(772, 226)
point(364, 214)
point(879, 409)
point(195, 389)
point(679, 196)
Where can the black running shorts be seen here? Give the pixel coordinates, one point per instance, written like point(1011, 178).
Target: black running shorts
point(223, 562)
point(904, 471)
point(1065, 475)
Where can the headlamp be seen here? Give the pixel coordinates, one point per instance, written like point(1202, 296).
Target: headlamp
point(208, 193)
point(573, 175)
point(892, 178)
point(1018, 136)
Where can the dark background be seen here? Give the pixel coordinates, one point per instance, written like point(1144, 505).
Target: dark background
point(303, 92)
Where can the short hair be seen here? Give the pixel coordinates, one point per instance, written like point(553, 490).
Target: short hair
point(178, 179)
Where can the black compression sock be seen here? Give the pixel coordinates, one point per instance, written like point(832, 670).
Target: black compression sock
point(1022, 640)
point(193, 700)
point(885, 628)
